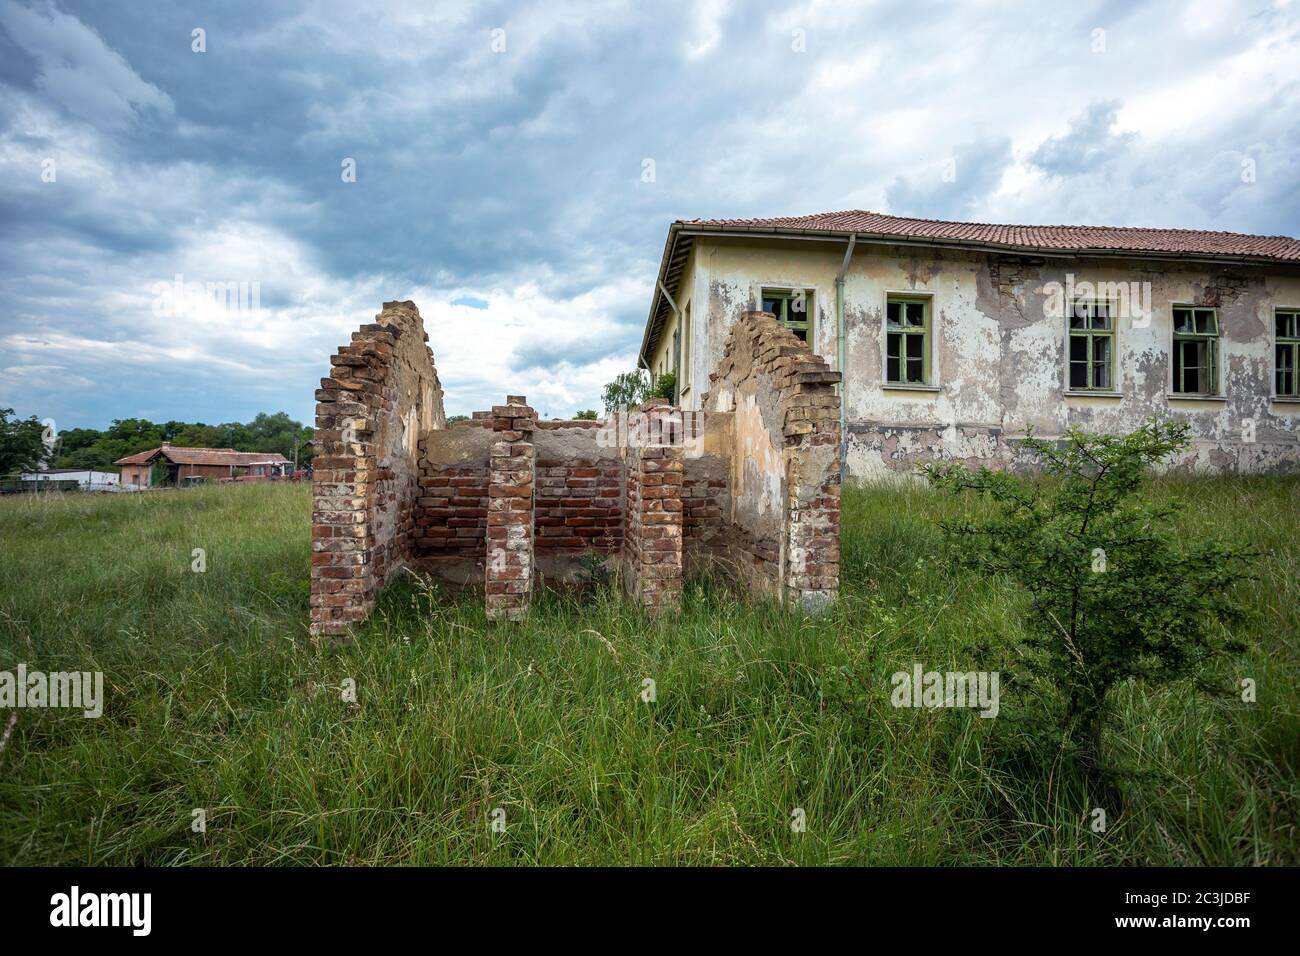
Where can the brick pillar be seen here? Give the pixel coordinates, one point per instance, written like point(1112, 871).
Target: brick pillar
point(812, 509)
point(511, 481)
point(652, 549)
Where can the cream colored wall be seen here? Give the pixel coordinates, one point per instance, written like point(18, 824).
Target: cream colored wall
point(730, 277)
point(998, 356)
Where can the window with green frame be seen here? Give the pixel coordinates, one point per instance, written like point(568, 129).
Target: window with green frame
point(907, 340)
point(1092, 347)
point(793, 308)
point(1286, 353)
point(1196, 351)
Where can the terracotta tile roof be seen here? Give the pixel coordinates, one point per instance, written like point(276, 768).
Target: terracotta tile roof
point(873, 226)
point(1081, 239)
point(201, 456)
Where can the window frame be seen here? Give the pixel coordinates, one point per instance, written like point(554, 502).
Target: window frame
point(1292, 342)
point(1214, 360)
point(1111, 332)
point(929, 367)
point(789, 291)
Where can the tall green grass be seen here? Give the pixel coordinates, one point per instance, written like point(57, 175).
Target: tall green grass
point(217, 698)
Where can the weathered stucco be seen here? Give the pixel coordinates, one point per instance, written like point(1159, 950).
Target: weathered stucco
point(998, 355)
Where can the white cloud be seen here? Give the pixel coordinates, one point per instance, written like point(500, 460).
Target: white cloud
point(77, 69)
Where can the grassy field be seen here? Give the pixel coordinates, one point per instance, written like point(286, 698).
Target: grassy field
point(218, 699)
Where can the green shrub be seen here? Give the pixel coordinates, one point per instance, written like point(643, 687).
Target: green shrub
point(665, 387)
point(1114, 595)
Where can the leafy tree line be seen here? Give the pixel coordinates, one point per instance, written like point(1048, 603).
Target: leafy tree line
point(22, 447)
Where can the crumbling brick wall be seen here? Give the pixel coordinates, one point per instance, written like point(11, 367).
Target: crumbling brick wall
point(785, 472)
point(381, 397)
point(652, 560)
point(503, 501)
point(579, 494)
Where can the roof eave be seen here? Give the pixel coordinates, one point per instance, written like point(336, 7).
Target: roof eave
point(885, 238)
point(681, 228)
point(670, 243)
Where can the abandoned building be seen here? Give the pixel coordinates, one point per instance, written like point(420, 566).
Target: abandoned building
point(954, 339)
point(169, 465)
point(748, 488)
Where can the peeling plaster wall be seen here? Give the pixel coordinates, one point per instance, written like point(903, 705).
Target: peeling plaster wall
point(998, 357)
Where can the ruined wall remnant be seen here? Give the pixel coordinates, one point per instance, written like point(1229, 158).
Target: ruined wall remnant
point(785, 472)
point(381, 397)
point(749, 489)
point(511, 478)
point(652, 547)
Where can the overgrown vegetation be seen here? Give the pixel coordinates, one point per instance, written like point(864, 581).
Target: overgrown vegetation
point(1114, 596)
point(665, 387)
point(218, 699)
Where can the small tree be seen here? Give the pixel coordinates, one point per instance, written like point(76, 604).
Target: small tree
point(586, 415)
point(627, 390)
point(1114, 596)
point(22, 443)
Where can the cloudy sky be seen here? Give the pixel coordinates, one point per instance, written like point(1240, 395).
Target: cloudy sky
point(499, 152)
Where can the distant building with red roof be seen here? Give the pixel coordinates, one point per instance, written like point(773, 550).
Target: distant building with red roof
point(185, 464)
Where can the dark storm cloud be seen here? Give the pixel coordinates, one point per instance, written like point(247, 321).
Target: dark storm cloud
point(502, 188)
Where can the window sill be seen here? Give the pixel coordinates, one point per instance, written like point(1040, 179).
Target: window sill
point(1188, 397)
point(1287, 399)
point(1082, 393)
point(899, 387)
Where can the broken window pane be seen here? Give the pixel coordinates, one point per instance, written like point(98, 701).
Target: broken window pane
point(1183, 320)
point(892, 313)
point(915, 314)
point(1079, 375)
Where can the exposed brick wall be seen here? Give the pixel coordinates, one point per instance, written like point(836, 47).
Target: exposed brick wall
point(451, 511)
point(705, 507)
point(579, 504)
point(382, 394)
point(652, 556)
point(756, 490)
